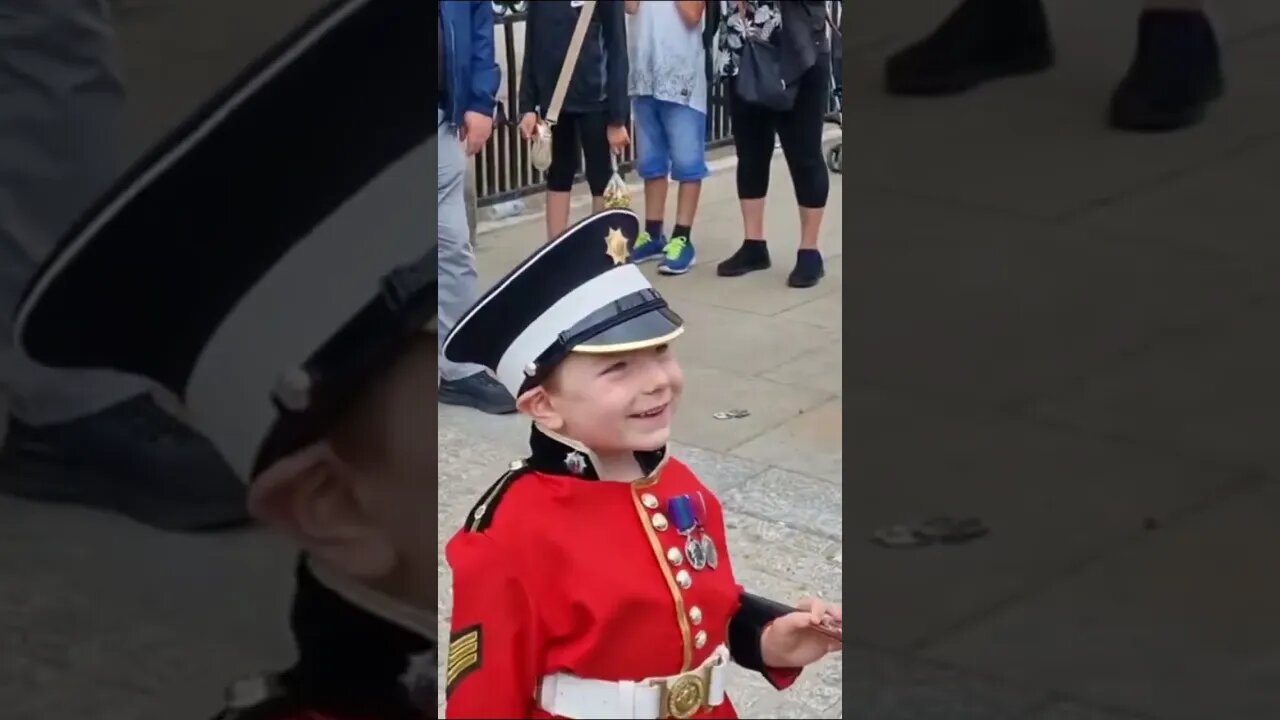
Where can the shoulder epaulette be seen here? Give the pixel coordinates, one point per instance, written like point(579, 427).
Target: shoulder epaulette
point(481, 516)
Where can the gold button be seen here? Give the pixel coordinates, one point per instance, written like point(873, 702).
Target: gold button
point(700, 640)
point(659, 522)
point(695, 614)
point(674, 556)
point(649, 501)
point(684, 579)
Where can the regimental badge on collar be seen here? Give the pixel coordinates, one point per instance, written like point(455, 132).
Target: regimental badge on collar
point(616, 246)
point(576, 462)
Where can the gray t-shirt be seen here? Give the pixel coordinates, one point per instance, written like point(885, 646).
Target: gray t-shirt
point(668, 61)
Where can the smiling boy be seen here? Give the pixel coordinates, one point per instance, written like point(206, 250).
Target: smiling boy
point(593, 580)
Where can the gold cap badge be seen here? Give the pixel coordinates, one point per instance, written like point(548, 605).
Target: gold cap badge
point(616, 246)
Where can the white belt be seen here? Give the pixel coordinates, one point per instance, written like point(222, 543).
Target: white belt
point(678, 696)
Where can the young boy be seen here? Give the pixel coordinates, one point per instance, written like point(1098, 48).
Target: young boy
point(267, 265)
point(592, 580)
point(668, 86)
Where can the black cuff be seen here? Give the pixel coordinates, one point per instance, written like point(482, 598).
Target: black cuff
point(747, 627)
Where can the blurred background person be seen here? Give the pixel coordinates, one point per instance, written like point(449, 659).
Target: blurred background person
point(593, 121)
point(668, 87)
point(90, 437)
point(467, 84)
point(799, 29)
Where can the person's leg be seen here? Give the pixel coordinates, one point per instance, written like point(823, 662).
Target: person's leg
point(753, 137)
point(653, 165)
point(593, 133)
point(1176, 72)
point(466, 385)
point(686, 130)
point(91, 437)
point(564, 166)
point(981, 40)
point(800, 132)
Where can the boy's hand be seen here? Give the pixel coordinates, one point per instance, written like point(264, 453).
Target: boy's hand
point(476, 129)
point(528, 124)
point(791, 642)
point(619, 139)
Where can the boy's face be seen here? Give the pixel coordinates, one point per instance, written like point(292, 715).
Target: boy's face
point(611, 403)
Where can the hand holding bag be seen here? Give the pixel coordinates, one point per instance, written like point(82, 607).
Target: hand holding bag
point(540, 149)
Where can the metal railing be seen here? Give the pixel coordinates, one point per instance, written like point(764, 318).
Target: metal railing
point(503, 171)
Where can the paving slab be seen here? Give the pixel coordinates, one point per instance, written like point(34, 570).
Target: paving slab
point(1212, 393)
point(811, 443)
point(798, 501)
point(743, 342)
point(1227, 209)
point(1181, 626)
point(982, 308)
point(821, 369)
point(101, 617)
point(888, 686)
point(708, 391)
point(1074, 711)
point(1052, 499)
point(825, 311)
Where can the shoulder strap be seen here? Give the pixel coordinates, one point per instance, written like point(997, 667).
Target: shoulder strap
point(481, 516)
point(571, 59)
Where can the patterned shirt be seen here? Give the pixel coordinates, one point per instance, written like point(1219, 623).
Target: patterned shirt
point(668, 60)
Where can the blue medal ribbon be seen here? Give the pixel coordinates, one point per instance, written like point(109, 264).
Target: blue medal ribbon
point(681, 511)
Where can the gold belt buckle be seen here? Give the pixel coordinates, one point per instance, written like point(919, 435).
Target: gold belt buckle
point(686, 695)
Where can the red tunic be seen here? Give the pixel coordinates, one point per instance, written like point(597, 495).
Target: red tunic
point(576, 576)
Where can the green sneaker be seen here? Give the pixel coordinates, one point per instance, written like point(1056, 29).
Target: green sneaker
point(678, 257)
point(647, 248)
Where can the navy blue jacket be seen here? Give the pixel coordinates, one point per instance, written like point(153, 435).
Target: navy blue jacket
point(599, 82)
point(472, 75)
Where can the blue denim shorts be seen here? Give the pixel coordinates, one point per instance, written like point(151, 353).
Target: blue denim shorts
point(671, 140)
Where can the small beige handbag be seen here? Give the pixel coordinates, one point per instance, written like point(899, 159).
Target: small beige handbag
point(540, 148)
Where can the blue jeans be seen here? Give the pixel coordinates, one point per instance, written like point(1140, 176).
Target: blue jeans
point(671, 140)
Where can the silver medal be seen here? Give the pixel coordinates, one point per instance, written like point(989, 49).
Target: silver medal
point(709, 552)
point(693, 550)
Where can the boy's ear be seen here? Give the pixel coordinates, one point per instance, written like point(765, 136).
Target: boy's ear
point(312, 497)
point(537, 404)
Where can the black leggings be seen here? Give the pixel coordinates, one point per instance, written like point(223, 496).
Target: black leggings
point(580, 135)
point(799, 129)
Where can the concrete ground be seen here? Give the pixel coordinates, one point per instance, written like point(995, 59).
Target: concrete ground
point(1069, 332)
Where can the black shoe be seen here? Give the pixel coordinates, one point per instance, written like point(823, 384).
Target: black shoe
point(1175, 74)
point(752, 256)
point(808, 270)
point(133, 458)
point(479, 391)
point(980, 40)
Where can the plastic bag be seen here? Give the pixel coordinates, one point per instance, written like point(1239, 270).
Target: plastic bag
point(540, 147)
point(616, 193)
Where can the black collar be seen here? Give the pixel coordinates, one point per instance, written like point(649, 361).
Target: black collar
point(555, 454)
point(351, 660)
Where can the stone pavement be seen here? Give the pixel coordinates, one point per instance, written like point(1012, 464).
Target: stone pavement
point(1069, 332)
point(751, 343)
